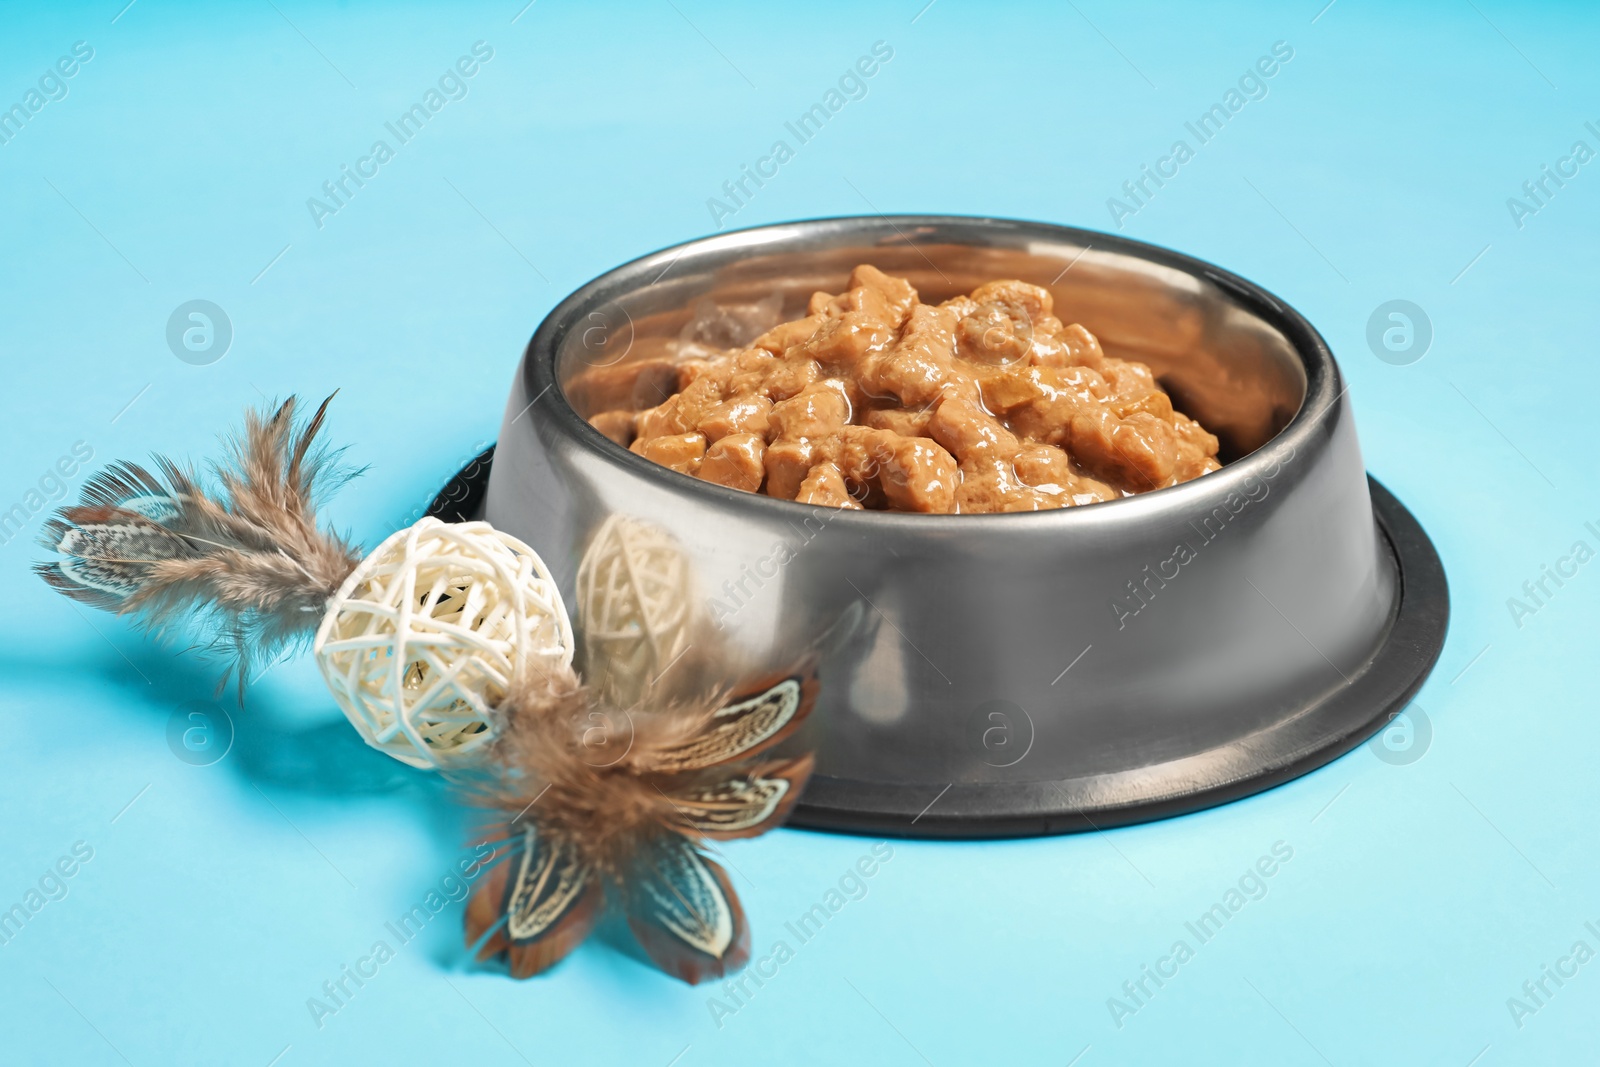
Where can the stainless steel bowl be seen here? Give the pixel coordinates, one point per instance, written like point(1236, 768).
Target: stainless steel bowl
point(1021, 673)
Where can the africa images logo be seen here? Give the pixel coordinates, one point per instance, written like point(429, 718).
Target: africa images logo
point(452, 85)
point(51, 86)
point(1137, 192)
point(199, 332)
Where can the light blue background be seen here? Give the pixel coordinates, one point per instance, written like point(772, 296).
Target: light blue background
point(1420, 897)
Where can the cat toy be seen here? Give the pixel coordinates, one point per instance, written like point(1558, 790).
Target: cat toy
point(449, 647)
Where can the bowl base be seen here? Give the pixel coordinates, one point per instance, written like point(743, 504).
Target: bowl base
point(1377, 692)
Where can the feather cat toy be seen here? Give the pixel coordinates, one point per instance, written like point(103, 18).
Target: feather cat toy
point(448, 646)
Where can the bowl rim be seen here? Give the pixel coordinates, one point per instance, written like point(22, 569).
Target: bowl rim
point(1320, 405)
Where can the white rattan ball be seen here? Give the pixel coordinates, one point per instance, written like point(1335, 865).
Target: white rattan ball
point(424, 636)
point(634, 596)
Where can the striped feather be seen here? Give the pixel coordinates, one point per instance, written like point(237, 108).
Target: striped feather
point(637, 823)
point(247, 562)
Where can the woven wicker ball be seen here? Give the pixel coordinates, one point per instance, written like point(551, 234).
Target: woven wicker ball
point(424, 635)
point(634, 595)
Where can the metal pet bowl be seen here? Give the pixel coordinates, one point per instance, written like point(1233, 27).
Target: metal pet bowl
point(989, 675)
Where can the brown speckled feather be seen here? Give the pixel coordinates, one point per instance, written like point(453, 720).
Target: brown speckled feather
point(599, 798)
point(248, 561)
